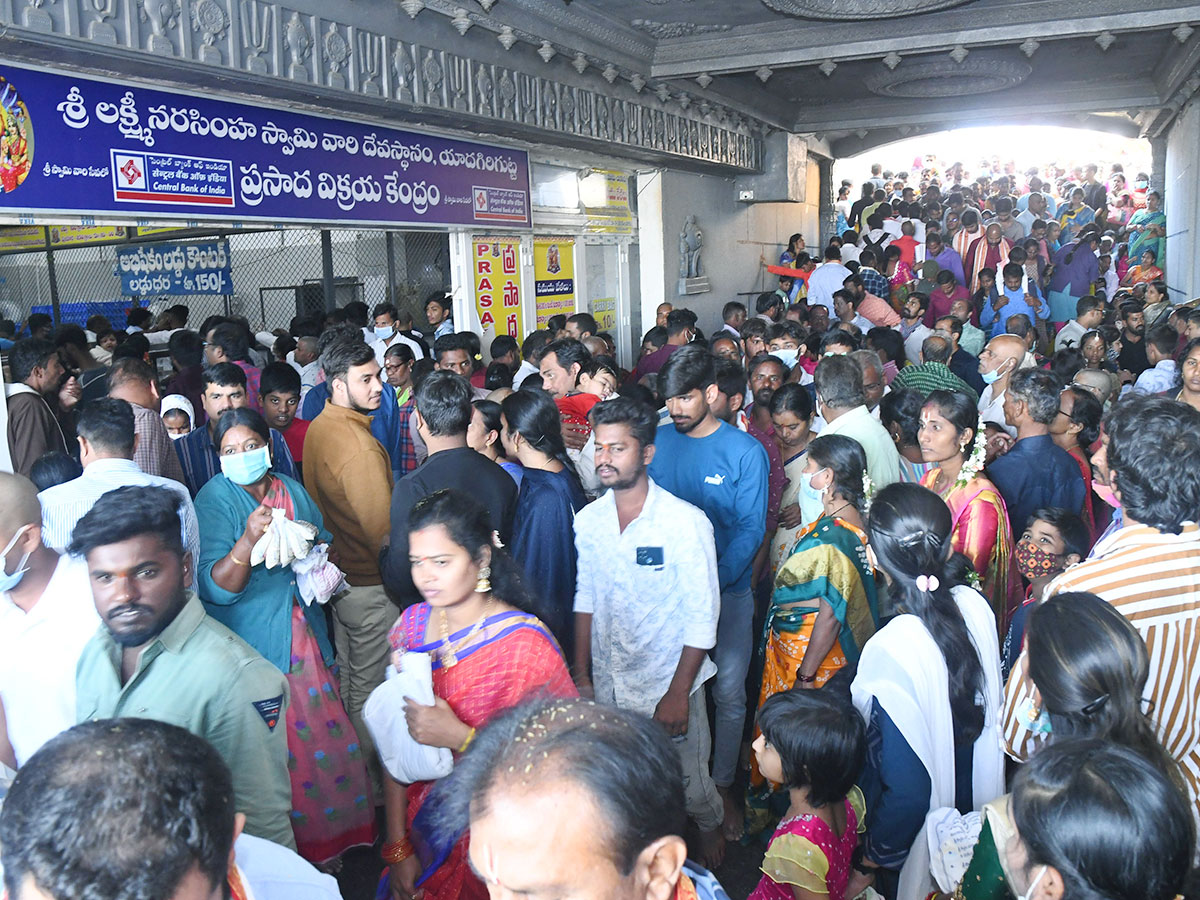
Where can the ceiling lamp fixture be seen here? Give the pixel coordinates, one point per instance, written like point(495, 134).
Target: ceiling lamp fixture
point(546, 51)
point(763, 73)
point(412, 7)
point(1029, 47)
point(610, 73)
point(461, 21)
point(827, 67)
point(892, 60)
point(1106, 39)
point(580, 62)
point(506, 37)
point(487, 5)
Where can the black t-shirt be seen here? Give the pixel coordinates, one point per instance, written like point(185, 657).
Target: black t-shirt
point(460, 469)
point(1133, 356)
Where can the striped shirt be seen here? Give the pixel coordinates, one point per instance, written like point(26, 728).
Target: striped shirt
point(1153, 579)
point(65, 504)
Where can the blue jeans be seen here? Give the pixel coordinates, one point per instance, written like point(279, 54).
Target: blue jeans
point(735, 645)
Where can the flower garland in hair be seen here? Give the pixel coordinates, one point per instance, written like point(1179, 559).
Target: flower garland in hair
point(868, 489)
point(974, 464)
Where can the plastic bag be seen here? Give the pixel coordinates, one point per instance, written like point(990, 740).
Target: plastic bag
point(405, 759)
point(317, 579)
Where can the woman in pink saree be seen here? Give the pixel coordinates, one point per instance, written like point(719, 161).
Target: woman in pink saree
point(489, 654)
point(949, 437)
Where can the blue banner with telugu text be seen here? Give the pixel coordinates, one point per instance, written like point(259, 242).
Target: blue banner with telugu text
point(175, 269)
point(94, 150)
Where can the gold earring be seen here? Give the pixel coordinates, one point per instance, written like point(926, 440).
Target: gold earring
point(483, 585)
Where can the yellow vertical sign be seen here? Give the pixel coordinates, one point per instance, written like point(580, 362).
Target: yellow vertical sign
point(497, 287)
point(553, 277)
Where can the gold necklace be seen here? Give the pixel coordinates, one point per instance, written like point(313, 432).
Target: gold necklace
point(448, 655)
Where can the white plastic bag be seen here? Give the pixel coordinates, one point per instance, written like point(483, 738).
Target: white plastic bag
point(405, 759)
point(317, 579)
point(952, 838)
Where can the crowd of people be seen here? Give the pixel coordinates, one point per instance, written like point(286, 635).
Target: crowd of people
point(896, 578)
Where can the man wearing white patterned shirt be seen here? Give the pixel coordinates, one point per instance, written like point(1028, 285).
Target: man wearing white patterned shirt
point(106, 446)
point(647, 601)
point(1149, 570)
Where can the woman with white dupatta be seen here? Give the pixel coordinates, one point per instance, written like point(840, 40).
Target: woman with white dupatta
point(928, 685)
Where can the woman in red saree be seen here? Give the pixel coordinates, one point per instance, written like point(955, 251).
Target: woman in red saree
point(489, 653)
point(949, 437)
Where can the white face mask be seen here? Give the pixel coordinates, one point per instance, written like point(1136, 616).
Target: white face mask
point(1028, 895)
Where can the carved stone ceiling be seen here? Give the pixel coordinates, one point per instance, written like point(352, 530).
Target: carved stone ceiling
point(894, 67)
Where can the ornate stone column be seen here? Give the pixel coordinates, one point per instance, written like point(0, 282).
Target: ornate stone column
point(825, 209)
point(1158, 164)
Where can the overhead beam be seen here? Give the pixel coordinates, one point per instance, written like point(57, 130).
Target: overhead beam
point(798, 42)
point(1027, 100)
point(852, 145)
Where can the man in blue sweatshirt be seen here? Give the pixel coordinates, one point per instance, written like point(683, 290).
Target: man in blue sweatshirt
point(722, 470)
point(1018, 295)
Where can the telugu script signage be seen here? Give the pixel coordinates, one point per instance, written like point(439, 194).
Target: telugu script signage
point(497, 286)
point(175, 269)
point(553, 277)
point(112, 151)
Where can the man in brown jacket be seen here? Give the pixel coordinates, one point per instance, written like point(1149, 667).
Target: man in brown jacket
point(33, 427)
point(349, 476)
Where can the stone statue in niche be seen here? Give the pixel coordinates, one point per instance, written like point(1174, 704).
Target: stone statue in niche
point(692, 279)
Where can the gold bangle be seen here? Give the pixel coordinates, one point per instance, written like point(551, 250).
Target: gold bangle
point(397, 851)
point(236, 561)
point(467, 742)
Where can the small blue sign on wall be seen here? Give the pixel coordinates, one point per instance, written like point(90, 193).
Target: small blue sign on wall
point(175, 269)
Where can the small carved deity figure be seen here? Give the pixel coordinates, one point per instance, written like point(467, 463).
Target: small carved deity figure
point(691, 241)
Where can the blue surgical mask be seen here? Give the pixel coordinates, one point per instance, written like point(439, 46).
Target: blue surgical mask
point(812, 504)
point(383, 332)
point(248, 467)
point(992, 377)
point(787, 357)
point(9, 580)
point(1035, 720)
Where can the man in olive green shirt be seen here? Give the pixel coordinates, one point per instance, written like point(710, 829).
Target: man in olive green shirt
point(160, 656)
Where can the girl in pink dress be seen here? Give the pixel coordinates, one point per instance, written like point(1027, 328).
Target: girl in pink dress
point(814, 744)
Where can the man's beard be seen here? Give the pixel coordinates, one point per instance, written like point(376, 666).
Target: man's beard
point(144, 635)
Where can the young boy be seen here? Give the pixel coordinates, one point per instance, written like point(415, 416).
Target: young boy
point(1054, 540)
point(279, 393)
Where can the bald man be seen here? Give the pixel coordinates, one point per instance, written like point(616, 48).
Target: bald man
point(987, 252)
point(46, 616)
point(1002, 356)
point(1098, 382)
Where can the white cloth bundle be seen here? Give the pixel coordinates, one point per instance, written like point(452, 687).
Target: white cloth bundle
point(317, 579)
point(406, 760)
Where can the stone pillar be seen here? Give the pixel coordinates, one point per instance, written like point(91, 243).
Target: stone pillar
point(826, 209)
point(1158, 164)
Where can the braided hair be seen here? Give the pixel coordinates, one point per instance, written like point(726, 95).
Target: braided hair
point(910, 530)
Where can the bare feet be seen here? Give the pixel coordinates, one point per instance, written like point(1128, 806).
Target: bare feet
point(712, 846)
point(734, 822)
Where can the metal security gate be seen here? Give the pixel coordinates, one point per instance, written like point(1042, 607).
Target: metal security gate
point(277, 274)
